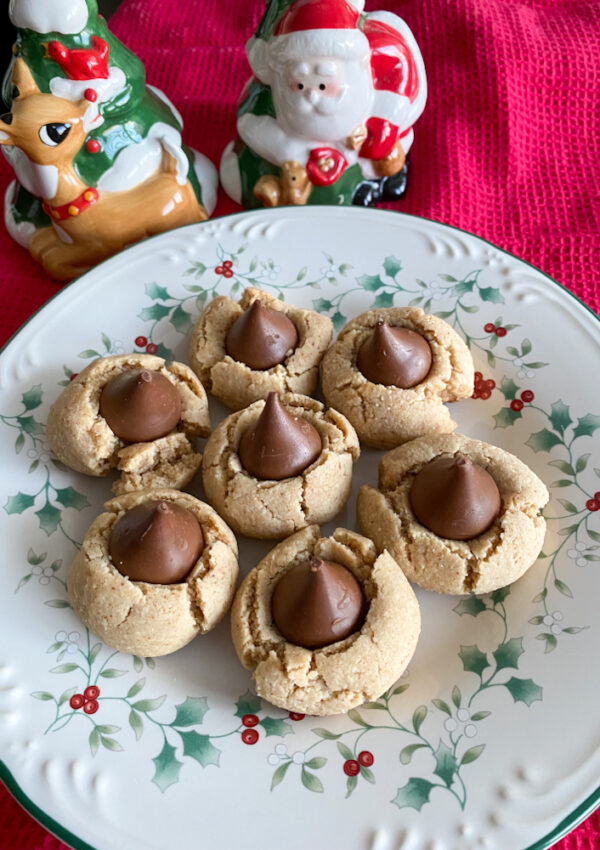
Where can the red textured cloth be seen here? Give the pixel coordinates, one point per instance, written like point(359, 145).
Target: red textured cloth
point(507, 148)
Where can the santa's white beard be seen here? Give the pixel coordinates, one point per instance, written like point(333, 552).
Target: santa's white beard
point(327, 118)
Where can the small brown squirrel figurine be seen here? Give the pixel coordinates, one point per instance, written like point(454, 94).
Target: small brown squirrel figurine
point(291, 187)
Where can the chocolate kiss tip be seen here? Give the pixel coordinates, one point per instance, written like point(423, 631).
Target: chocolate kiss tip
point(261, 337)
point(392, 356)
point(279, 445)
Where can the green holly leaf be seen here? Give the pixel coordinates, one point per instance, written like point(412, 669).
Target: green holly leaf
point(473, 659)
point(94, 653)
point(345, 752)
point(384, 299)
point(326, 734)
point(89, 352)
point(111, 744)
point(418, 717)
point(275, 726)
point(316, 763)
point(563, 588)
point(19, 443)
point(49, 518)
point(355, 717)
point(480, 715)
point(414, 794)
point(586, 425)
point(443, 706)
point(34, 559)
point(19, 503)
point(508, 388)
point(322, 305)
point(562, 482)
point(472, 605)
point(506, 416)
point(445, 763)
point(560, 416)
point(154, 313)
point(112, 673)
point(43, 695)
point(181, 320)
point(279, 774)
point(32, 398)
point(488, 293)
point(136, 723)
point(137, 663)
point(310, 781)
point(200, 748)
point(536, 365)
point(57, 603)
point(351, 784)
point(498, 596)
point(145, 704)
point(550, 642)
point(582, 462)
point(568, 506)
point(367, 774)
point(456, 696)
point(451, 279)
point(345, 268)
point(190, 712)
point(166, 768)
point(70, 498)
point(64, 668)
point(524, 690)
point(407, 753)
point(375, 706)
point(462, 287)
point(338, 320)
point(508, 654)
point(94, 741)
point(543, 441)
point(66, 695)
point(247, 704)
point(136, 688)
point(371, 282)
point(156, 292)
point(472, 754)
point(392, 266)
point(399, 690)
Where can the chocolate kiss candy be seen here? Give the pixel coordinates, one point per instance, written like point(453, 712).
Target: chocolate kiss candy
point(279, 445)
point(157, 542)
point(455, 498)
point(396, 357)
point(140, 405)
point(317, 603)
point(261, 337)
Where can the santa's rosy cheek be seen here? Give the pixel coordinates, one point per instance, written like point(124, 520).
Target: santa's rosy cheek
point(296, 85)
point(329, 88)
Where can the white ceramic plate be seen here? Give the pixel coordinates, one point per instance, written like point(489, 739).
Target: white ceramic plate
point(491, 738)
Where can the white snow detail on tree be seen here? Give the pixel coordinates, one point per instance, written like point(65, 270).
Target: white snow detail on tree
point(64, 16)
point(136, 163)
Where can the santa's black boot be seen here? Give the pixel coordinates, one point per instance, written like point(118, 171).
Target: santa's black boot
point(367, 193)
point(394, 187)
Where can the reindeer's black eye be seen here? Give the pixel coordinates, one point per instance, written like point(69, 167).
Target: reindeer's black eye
point(54, 134)
point(15, 93)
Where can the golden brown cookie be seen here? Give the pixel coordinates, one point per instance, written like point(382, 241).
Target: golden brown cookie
point(153, 619)
point(81, 437)
point(495, 558)
point(344, 674)
point(273, 509)
point(386, 416)
point(236, 384)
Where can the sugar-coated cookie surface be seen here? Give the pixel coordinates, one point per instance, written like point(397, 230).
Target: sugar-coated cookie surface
point(343, 675)
point(235, 383)
point(274, 509)
point(495, 558)
point(153, 619)
point(81, 437)
point(386, 416)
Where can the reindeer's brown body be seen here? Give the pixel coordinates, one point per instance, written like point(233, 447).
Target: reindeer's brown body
point(116, 219)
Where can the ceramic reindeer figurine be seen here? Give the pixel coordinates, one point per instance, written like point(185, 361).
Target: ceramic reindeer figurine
point(98, 156)
point(328, 116)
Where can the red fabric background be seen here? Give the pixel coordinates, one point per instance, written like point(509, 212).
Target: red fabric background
point(507, 148)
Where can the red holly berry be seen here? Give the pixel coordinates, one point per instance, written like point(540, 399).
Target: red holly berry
point(490, 384)
point(141, 341)
point(249, 736)
point(294, 715)
point(227, 264)
point(475, 393)
point(227, 272)
point(516, 405)
point(593, 505)
point(73, 376)
point(597, 496)
point(484, 394)
point(151, 348)
point(219, 269)
point(489, 328)
point(91, 706)
point(501, 331)
point(478, 377)
point(351, 767)
point(76, 701)
point(366, 758)
point(92, 692)
point(250, 720)
point(527, 396)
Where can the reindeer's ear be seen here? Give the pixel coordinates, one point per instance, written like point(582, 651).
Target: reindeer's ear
point(22, 78)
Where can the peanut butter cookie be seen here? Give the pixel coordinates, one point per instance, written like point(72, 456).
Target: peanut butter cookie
point(390, 372)
point(513, 527)
point(150, 617)
point(341, 675)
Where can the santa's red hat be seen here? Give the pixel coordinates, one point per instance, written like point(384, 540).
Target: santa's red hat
point(309, 28)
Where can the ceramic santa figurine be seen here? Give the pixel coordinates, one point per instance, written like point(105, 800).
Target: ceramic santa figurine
point(328, 116)
point(98, 154)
